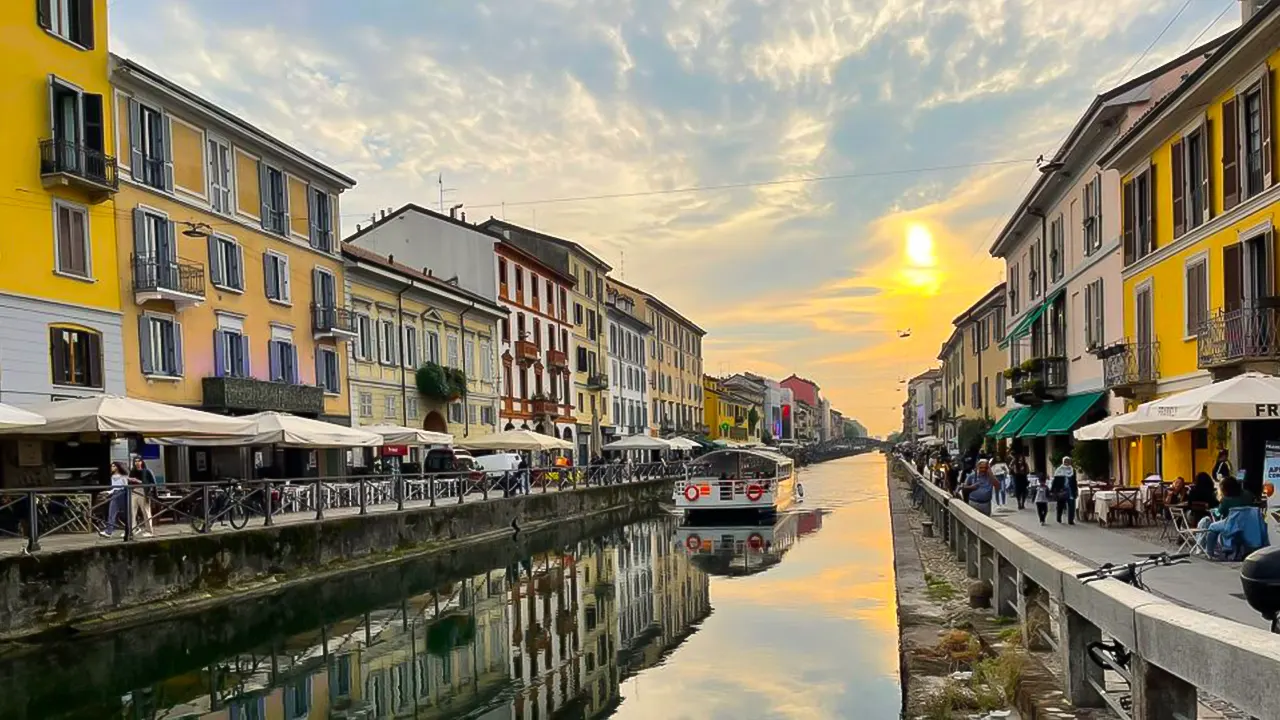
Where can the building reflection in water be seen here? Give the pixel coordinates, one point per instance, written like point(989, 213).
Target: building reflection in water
point(552, 636)
point(739, 550)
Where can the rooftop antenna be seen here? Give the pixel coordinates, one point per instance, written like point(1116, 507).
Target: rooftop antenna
point(443, 190)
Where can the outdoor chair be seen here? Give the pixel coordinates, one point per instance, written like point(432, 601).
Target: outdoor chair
point(1154, 508)
point(1188, 536)
point(1126, 504)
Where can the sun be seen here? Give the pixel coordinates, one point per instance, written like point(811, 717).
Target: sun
point(920, 247)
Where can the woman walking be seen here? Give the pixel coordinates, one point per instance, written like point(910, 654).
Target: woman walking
point(1020, 471)
point(119, 497)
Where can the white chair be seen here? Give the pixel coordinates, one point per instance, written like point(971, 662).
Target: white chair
point(1188, 535)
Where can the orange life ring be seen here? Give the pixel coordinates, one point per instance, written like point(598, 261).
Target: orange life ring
point(754, 492)
point(755, 541)
point(693, 542)
point(691, 493)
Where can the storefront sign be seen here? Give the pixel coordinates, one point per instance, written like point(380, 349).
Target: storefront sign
point(395, 450)
point(1271, 463)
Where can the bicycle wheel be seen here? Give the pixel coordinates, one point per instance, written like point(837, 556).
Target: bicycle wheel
point(237, 516)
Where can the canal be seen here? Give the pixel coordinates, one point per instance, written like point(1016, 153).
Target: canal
point(642, 620)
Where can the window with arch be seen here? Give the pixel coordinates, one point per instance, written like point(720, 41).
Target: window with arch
point(75, 356)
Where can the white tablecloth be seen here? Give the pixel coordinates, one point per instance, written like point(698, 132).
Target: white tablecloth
point(1104, 499)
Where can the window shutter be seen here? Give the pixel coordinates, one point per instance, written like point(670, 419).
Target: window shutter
point(317, 296)
point(1150, 209)
point(319, 368)
point(144, 344)
point(94, 137)
point(93, 373)
point(1230, 155)
point(1128, 217)
point(84, 11)
point(1193, 299)
point(264, 191)
point(235, 274)
point(1179, 191)
point(1232, 288)
point(221, 353)
point(273, 354)
point(44, 14)
point(216, 272)
point(293, 364)
point(312, 230)
point(1265, 92)
point(1206, 184)
point(332, 226)
point(58, 356)
point(135, 139)
point(270, 277)
point(1088, 317)
point(166, 132)
point(285, 291)
point(246, 365)
point(178, 362)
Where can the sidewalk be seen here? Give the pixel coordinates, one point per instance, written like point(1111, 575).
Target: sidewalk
point(1210, 587)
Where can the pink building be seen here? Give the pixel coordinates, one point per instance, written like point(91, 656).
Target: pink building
point(805, 391)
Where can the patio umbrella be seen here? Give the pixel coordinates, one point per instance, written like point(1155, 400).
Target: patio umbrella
point(400, 435)
point(640, 442)
point(684, 443)
point(1133, 424)
point(1251, 396)
point(12, 417)
point(115, 414)
point(515, 440)
point(285, 430)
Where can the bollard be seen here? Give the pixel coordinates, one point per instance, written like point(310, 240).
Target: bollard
point(399, 492)
point(431, 489)
point(1080, 673)
point(266, 503)
point(33, 524)
point(926, 529)
point(318, 494)
point(364, 503)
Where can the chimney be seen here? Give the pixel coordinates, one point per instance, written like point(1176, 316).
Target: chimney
point(384, 214)
point(391, 258)
point(1249, 8)
point(464, 216)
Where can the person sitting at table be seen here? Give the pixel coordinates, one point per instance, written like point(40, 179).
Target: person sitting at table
point(1177, 493)
point(1202, 492)
point(1233, 496)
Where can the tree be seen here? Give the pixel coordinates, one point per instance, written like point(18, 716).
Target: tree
point(1093, 457)
point(753, 417)
point(972, 433)
point(439, 383)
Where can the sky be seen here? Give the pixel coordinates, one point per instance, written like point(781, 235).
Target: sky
point(930, 114)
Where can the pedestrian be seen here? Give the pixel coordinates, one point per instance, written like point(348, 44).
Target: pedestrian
point(1042, 500)
point(143, 477)
point(980, 487)
point(119, 497)
point(1222, 466)
point(1001, 473)
point(1065, 490)
point(1020, 471)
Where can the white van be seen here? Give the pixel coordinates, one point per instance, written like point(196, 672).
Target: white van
point(498, 462)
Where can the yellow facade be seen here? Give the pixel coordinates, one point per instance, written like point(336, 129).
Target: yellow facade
point(727, 416)
point(229, 257)
point(674, 362)
point(590, 328)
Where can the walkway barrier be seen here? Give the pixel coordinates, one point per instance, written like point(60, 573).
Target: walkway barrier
point(1176, 652)
point(36, 513)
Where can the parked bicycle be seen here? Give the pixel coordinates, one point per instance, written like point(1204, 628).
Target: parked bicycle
point(231, 505)
point(1111, 654)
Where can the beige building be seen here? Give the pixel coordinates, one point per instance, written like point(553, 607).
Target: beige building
point(973, 364)
point(675, 365)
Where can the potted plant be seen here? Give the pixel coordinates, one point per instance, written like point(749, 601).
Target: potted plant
point(1032, 365)
point(1012, 373)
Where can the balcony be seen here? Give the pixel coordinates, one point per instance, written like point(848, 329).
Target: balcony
point(597, 381)
point(545, 407)
point(332, 322)
point(526, 352)
point(557, 360)
point(178, 281)
point(231, 394)
point(1236, 337)
point(69, 164)
point(1129, 368)
point(1038, 380)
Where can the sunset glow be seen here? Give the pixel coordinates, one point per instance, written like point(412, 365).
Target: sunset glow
point(920, 247)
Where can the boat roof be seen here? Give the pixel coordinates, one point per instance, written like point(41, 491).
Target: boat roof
point(766, 454)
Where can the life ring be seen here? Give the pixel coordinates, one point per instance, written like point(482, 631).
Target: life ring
point(800, 491)
point(693, 542)
point(754, 492)
point(755, 541)
point(691, 493)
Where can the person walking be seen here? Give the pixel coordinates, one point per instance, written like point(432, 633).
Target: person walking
point(1020, 471)
point(119, 498)
point(1065, 489)
point(979, 488)
point(1222, 467)
point(146, 480)
point(1042, 500)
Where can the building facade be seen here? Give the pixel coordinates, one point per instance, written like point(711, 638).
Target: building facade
point(408, 322)
point(675, 365)
point(952, 356)
point(1198, 202)
point(628, 368)
point(726, 412)
point(60, 289)
point(924, 392)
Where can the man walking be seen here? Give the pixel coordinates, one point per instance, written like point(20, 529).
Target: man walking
point(1065, 489)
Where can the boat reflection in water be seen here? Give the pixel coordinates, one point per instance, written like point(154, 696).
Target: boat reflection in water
point(552, 635)
point(737, 550)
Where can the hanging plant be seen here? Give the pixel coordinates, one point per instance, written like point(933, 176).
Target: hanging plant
point(433, 383)
point(457, 383)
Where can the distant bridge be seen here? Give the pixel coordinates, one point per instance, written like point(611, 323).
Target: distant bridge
point(838, 448)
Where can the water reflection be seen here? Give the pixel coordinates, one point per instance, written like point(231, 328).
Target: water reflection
point(739, 550)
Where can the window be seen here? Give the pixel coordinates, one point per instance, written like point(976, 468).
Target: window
point(533, 288)
point(71, 230)
point(591, 324)
point(275, 199)
point(577, 314)
point(327, 369)
point(975, 395)
point(76, 126)
point(220, 192)
point(320, 219)
point(71, 20)
point(564, 304)
point(486, 415)
point(582, 360)
point(150, 147)
point(433, 346)
point(283, 356)
point(1190, 157)
point(1033, 275)
point(1000, 387)
point(275, 271)
point(389, 406)
point(230, 348)
point(551, 298)
point(1056, 260)
point(1252, 145)
point(589, 283)
point(473, 414)
point(160, 343)
point(364, 337)
point(411, 407)
point(519, 284)
point(75, 356)
point(486, 361)
point(1137, 216)
point(1196, 300)
point(1093, 314)
point(455, 412)
point(366, 404)
point(451, 348)
point(502, 276)
point(410, 346)
point(387, 354)
point(469, 356)
point(1092, 216)
point(226, 263)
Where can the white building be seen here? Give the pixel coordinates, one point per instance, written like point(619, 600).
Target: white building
point(628, 338)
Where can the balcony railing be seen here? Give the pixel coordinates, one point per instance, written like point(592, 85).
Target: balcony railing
point(156, 278)
point(544, 407)
point(1039, 380)
point(65, 162)
point(526, 352)
point(597, 381)
point(1239, 336)
point(332, 320)
point(1129, 366)
point(557, 360)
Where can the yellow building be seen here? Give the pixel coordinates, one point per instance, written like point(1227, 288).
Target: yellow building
point(726, 413)
point(405, 320)
point(59, 286)
point(1199, 198)
point(675, 365)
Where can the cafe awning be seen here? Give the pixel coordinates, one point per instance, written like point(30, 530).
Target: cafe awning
point(1024, 325)
point(1043, 415)
point(1011, 422)
point(1068, 414)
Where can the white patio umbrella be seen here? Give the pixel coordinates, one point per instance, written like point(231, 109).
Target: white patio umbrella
point(285, 430)
point(640, 442)
point(115, 414)
point(400, 435)
point(684, 443)
point(12, 417)
point(1132, 424)
point(515, 440)
point(1251, 396)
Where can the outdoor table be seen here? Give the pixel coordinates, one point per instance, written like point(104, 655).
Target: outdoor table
point(1104, 499)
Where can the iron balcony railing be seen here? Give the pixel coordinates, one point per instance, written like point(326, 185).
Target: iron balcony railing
point(1039, 379)
point(1229, 337)
point(330, 319)
point(155, 274)
point(1129, 363)
point(76, 161)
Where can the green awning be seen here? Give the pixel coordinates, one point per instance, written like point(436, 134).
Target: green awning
point(1011, 422)
point(1069, 413)
point(1024, 325)
point(1042, 417)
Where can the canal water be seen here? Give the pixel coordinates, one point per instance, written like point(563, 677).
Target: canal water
point(794, 620)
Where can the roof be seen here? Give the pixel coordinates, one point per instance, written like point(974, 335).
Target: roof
point(1126, 92)
point(807, 381)
point(129, 67)
point(356, 252)
point(947, 346)
point(414, 207)
point(661, 305)
point(532, 260)
point(778, 458)
point(994, 297)
point(1226, 44)
point(492, 222)
point(930, 374)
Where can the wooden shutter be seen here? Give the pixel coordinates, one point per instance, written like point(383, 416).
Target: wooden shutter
point(235, 276)
point(246, 365)
point(221, 359)
point(264, 191)
point(84, 16)
point(271, 279)
point(1232, 287)
point(94, 137)
point(1150, 209)
point(179, 365)
point(1206, 169)
point(1192, 293)
point(217, 274)
point(44, 14)
point(319, 367)
point(1128, 218)
point(144, 344)
point(135, 140)
point(312, 231)
point(1179, 189)
point(1265, 92)
point(167, 135)
point(1230, 155)
point(93, 359)
point(58, 356)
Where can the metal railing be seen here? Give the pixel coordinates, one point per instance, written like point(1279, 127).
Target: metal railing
point(37, 513)
point(63, 157)
point(153, 274)
point(1130, 363)
point(1249, 333)
point(328, 319)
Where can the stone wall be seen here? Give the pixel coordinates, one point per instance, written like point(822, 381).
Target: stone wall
point(56, 589)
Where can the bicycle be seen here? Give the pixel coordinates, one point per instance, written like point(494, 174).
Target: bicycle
point(1112, 655)
point(228, 505)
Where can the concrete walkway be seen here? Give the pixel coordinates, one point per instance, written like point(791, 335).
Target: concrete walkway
point(1210, 587)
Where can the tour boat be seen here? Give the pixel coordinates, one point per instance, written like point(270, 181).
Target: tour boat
point(739, 480)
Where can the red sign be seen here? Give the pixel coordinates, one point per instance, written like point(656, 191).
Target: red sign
point(395, 450)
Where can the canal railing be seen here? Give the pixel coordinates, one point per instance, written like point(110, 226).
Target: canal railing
point(33, 514)
point(1177, 653)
